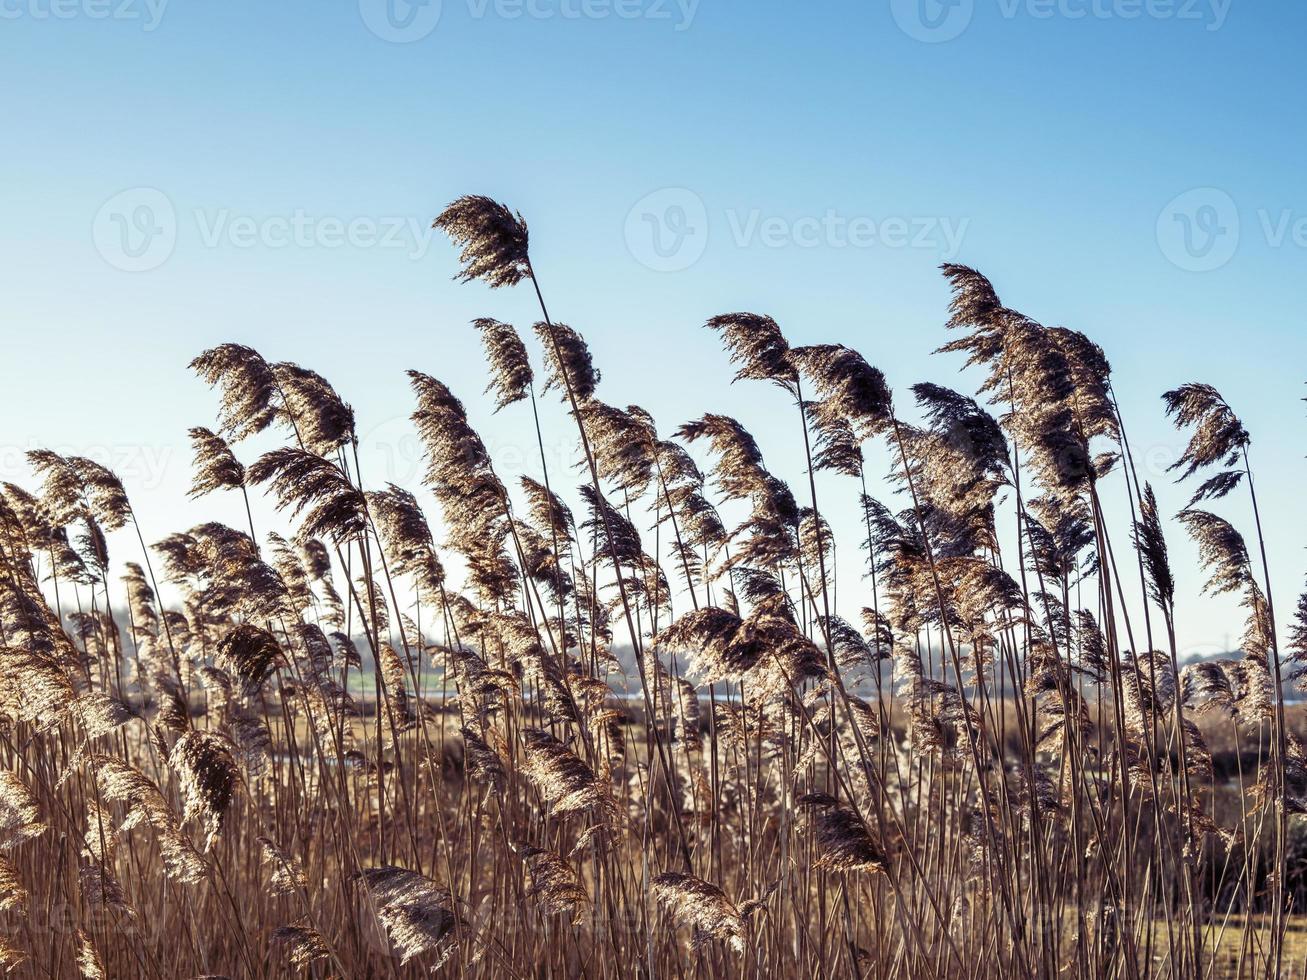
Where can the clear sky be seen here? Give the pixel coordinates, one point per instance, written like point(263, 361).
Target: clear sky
point(177, 174)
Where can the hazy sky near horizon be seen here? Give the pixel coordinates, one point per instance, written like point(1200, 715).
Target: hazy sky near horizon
point(177, 174)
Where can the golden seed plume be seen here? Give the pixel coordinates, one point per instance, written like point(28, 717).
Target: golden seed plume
point(702, 906)
point(493, 239)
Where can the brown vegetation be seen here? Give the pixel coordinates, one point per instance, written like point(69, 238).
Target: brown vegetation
point(1000, 772)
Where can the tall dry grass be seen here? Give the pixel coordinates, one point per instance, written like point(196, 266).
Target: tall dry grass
point(1001, 771)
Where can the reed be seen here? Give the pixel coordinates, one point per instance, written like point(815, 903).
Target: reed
point(309, 749)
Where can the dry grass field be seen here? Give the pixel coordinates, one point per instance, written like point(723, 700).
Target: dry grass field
point(308, 750)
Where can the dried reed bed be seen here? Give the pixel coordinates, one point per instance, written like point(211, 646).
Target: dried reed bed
point(998, 772)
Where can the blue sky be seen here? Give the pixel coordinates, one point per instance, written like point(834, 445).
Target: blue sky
point(1130, 168)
